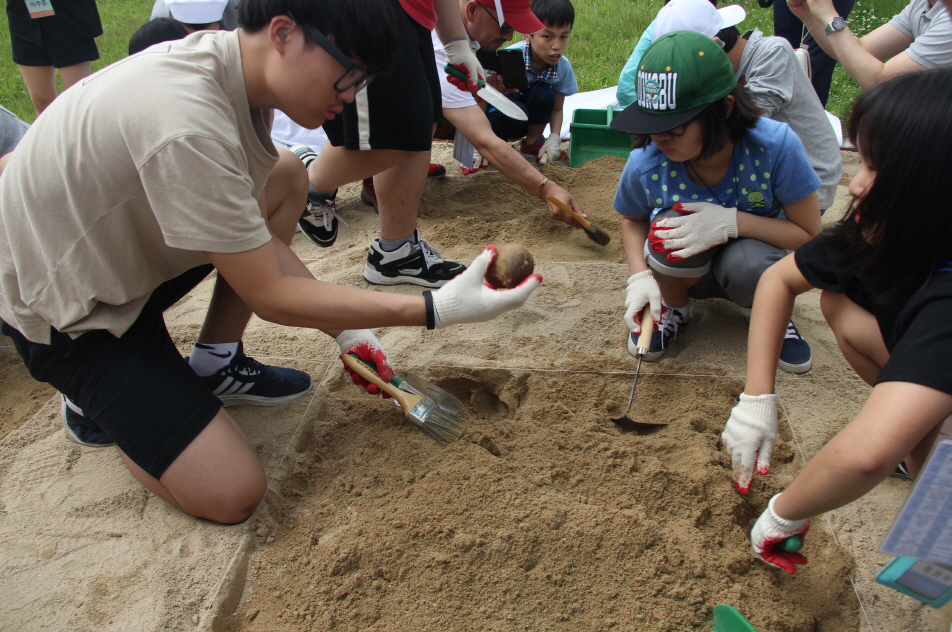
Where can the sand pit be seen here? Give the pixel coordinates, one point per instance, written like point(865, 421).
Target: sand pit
point(544, 516)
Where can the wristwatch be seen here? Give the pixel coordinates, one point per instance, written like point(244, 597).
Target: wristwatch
point(836, 24)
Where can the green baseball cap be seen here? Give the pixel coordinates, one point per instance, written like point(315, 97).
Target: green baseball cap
point(679, 75)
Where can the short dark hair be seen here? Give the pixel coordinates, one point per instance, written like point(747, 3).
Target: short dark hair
point(156, 31)
point(721, 122)
point(729, 37)
point(201, 27)
point(554, 12)
point(900, 233)
point(362, 29)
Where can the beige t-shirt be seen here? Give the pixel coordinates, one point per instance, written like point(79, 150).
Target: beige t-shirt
point(125, 181)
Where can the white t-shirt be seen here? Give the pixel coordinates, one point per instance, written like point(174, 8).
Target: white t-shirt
point(287, 132)
point(453, 97)
point(125, 182)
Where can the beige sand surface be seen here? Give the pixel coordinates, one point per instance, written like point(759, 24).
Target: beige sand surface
point(544, 516)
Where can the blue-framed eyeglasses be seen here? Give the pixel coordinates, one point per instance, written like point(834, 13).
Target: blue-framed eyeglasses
point(355, 75)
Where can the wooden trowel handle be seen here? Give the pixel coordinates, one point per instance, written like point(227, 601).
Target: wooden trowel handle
point(578, 218)
point(647, 328)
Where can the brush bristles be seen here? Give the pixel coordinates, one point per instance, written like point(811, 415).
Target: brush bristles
point(598, 235)
point(443, 427)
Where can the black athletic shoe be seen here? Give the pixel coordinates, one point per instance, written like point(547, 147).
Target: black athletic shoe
point(902, 472)
point(80, 428)
point(416, 263)
point(320, 219)
point(247, 381)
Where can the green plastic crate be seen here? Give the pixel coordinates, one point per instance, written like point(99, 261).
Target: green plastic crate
point(593, 138)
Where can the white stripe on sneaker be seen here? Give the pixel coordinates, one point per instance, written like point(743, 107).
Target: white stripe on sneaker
point(223, 387)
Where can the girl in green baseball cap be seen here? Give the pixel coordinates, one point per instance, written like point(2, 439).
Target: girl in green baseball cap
point(712, 195)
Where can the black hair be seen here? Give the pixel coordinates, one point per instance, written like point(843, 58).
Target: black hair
point(201, 27)
point(554, 12)
point(729, 37)
point(155, 31)
point(363, 29)
point(899, 233)
point(721, 122)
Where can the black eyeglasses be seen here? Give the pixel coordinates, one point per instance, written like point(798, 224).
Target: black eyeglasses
point(505, 29)
point(355, 75)
point(679, 130)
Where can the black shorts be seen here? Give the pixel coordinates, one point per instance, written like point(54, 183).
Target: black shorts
point(395, 111)
point(60, 46)
point(138, 388)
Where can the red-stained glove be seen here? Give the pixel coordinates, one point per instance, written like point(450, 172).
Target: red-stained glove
point(701, 227)
point(769, 531)
point(749, 436)
point(364, 344)
point(642, 291)
point(656, 237)
point(468, 299)
point(459, 54)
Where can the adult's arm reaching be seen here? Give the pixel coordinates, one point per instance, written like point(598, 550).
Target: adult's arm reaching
point(864, 58)
point(472, 123)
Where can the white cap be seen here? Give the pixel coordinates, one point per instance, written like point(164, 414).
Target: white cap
point(695, 15)
point(196, 11)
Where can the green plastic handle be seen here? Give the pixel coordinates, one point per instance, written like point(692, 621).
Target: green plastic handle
point(793, 544)
point(459, 74)
point(396, 381)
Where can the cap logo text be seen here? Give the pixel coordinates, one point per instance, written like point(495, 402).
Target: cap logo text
point(658, 90)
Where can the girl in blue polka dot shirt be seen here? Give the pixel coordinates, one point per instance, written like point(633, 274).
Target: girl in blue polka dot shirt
point(711, 196)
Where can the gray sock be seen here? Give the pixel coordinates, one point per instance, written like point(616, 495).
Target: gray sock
point(390, 245)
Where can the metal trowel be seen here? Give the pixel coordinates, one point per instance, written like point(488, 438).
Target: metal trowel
point(492, 96)
point(626, 423)
point(415, 384)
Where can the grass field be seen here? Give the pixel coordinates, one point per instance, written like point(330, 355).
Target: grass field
point(604, 35)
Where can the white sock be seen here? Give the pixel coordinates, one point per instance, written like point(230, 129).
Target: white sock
point(685, 311)
point(206, 359)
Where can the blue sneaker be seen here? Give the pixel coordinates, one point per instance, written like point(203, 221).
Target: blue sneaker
point(672, 321)
point(246, 381)
point(795, 354)
point(80, 428)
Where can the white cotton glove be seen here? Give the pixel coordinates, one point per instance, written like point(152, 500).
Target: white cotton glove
point(768, 534)
point(365, 345)
point(460, 54)
point(467, 299)
point(749, 436)
point(642, 290)
point(551, 148)
point(701, 227)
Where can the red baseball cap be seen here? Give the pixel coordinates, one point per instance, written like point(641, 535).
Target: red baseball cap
point(517, 13)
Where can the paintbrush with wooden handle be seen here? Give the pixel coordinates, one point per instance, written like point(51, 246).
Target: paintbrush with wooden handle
point(596, 234)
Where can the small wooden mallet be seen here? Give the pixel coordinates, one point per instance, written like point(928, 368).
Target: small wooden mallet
point(596, 234)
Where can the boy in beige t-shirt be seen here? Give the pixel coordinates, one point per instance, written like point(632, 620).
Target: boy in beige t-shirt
point(137, 183)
